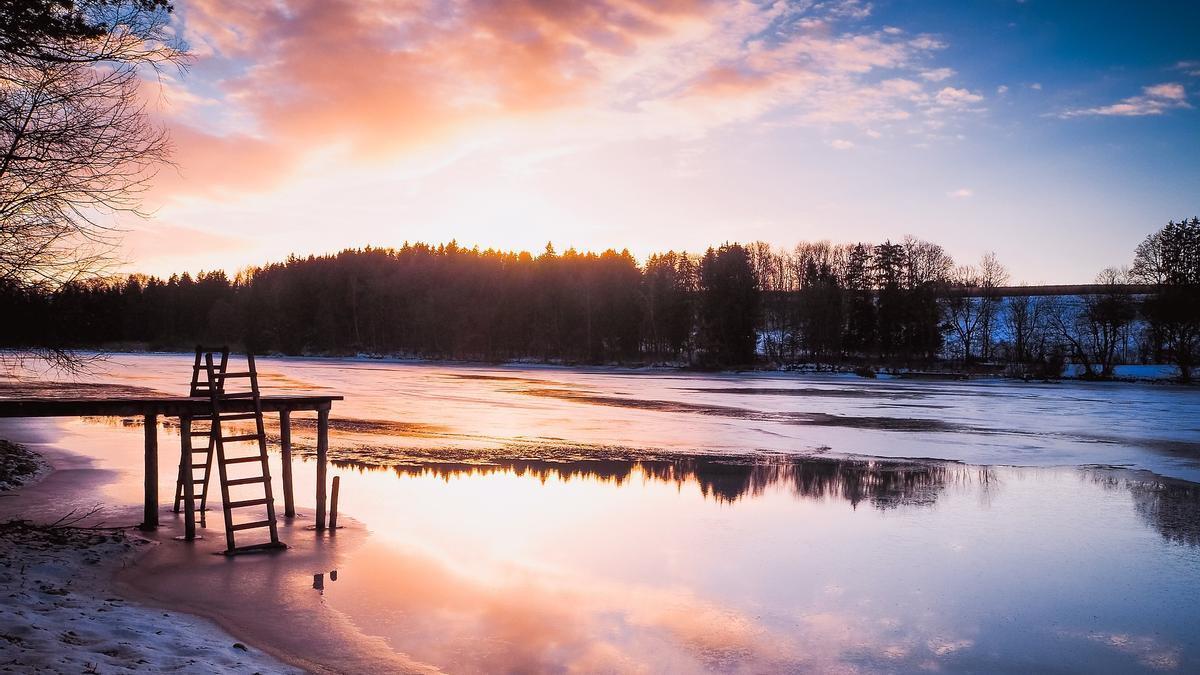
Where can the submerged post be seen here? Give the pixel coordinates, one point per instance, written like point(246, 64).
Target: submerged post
point(185, 474)
point(150, 515)
point(285, 442)
point(333, 504)
point(322, 452)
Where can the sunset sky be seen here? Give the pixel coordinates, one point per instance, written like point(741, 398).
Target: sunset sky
point(1055, 136)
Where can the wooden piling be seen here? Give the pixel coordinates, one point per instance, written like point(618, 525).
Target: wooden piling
point(285, 441)
point(333, 503)
point(150, 512)
point(185, 470)
point(322, 456)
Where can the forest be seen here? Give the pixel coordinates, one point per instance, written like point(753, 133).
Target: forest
point(859, 305)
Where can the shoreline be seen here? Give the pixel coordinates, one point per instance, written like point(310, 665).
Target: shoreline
point(63, 614)
point(1160, 374)
point(202, 601)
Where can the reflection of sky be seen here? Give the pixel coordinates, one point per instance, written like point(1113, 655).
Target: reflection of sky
point(469, 570)
point(516, 565)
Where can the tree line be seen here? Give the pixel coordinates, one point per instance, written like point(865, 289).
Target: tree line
point(903, 303)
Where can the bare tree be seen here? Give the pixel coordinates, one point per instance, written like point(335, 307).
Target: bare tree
point(964, 308)
point(1024, 318)
point(1096, 327)
point(973, 302)
point(925, 263)
point(77, 143)
point(992, 275)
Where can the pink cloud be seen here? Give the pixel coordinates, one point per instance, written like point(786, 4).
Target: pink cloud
point(1154, 100)
point(375, 79)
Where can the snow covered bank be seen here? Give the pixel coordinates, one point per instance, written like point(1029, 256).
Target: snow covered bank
point(1139, 373)
point(20, 466)
point(59, 617)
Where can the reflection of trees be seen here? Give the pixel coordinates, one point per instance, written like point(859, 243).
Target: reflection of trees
point(1171, 508)
point(885, 483)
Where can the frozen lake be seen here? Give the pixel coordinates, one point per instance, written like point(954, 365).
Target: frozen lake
point(545, 519)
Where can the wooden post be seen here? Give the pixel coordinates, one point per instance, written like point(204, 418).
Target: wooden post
point(322, 453)
point(285, 440)
point(185, 472)
point(333, 504)
point(150, 515)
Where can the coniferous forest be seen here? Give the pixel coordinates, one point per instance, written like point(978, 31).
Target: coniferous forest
point(895, 303)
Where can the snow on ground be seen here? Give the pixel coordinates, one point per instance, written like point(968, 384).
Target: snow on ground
point(1149, 373)
point(57, 616)
point(19, 466)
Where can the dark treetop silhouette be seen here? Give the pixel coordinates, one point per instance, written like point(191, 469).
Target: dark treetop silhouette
point(900, 303)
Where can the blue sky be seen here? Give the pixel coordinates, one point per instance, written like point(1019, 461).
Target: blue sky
point(1055, 134)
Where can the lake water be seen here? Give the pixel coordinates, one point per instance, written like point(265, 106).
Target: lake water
point(528, 519)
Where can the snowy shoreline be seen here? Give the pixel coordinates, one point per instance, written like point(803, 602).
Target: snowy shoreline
point(1072, 372)
point(62, 612)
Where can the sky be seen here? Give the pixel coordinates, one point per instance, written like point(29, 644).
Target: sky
point(1056, 134)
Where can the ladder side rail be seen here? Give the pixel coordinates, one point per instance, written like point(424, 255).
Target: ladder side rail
point(214, 396)
point(197, 366)
point(215, 385)
point(192, 391)
point(262, 449)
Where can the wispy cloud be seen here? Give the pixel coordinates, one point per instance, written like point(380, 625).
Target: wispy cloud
point(1189, 68)
point(319, 76)
point(952, 97)
point(961, 193)
point(937, 74)
point(841, 144)
point(1154, 100)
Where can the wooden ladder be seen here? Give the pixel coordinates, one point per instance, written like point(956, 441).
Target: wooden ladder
point(201, 385)
point(218, 376)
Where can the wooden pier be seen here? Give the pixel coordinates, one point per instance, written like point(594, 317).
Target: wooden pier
point(187, 408)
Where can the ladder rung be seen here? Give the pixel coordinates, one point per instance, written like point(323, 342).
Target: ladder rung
point(250, 526)
point(243, 460)
point(200, 450)
point(246, 481)
point(199, 466)
point(246, 502)
point(243, 437)
point(197, 481)
point(199, 433)
point(245, 373)
point(238, 416)
point(255, 548)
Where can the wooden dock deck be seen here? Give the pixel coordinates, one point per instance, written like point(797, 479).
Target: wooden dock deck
point(187, 408)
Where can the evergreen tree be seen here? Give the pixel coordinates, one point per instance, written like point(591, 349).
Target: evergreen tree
point(729, 306)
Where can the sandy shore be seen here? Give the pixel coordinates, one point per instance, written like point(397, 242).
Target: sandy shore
point(61, 613)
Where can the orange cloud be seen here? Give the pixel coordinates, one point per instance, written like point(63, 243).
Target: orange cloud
point(374, 79)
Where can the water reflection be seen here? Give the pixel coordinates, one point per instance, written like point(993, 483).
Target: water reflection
point(1172, 508)
point(702, 564)
point(319, 580)
point(885, 484)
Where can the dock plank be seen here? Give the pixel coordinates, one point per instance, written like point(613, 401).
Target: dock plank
point(167, 406)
